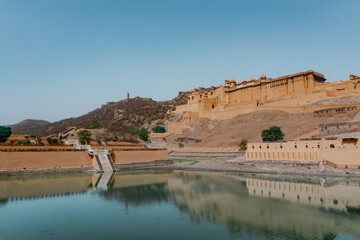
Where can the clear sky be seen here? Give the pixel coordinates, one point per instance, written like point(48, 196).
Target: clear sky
point(64, 58)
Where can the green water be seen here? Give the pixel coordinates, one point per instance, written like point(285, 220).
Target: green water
point(179, 205)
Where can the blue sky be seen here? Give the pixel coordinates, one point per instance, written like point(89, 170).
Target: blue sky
point(64, 58)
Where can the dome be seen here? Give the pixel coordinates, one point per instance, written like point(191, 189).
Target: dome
point(263, 77)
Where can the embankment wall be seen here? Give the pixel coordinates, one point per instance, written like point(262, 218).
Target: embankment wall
point(44, 159)
point(139, 156)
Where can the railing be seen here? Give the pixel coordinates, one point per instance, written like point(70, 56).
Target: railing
point(100, 152)
point(111, 162)
point(85, 147)
point(98, 162)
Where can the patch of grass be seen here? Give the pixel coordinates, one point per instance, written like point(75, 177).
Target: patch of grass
point(192, 161)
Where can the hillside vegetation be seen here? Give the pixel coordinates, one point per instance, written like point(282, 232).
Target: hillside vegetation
point(115, 117)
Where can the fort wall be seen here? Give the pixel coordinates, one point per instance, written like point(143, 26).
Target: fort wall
point(342, 153)
point(338, 128)
point(331, 111)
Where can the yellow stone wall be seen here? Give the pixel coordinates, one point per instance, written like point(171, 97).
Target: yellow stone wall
point(342, 152)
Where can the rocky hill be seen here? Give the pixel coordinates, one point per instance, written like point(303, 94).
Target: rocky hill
point(113, 116)
point(29, 126)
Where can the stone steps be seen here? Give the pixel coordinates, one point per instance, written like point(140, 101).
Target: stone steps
point(105, 163)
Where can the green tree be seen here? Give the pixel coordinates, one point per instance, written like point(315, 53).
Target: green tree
point(158, 129)
point(5, 133)
point(49, 140)
point(144, 134)
point(84, 136)
point(272, 134)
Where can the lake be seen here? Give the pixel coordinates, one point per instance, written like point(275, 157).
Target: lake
point(179, 205)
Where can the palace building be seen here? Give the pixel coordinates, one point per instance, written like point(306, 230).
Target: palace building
point(266, 90)
point(293, 93)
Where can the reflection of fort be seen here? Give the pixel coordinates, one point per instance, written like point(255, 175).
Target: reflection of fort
point(234, 205)
point(257, 207)
point(339, 196)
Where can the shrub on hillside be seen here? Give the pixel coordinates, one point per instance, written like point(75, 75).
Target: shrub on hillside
point(272, 134)
point(93, 125)
point(144, 134)
point(158, 129)
point(84, 136)
point(243, 144)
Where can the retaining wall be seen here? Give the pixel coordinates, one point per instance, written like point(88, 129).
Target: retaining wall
point(139, 156)
point(44, 159)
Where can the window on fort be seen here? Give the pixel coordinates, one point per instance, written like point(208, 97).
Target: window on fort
point(213, 106)
point(192, 97)
point(332, 146)
point(200, 96)
point(307, 146)
point(211, 93)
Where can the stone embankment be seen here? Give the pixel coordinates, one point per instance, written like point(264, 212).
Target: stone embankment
point(240, 164)
point(225, 152)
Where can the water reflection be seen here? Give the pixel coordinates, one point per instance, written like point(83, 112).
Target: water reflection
point(245, 205)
